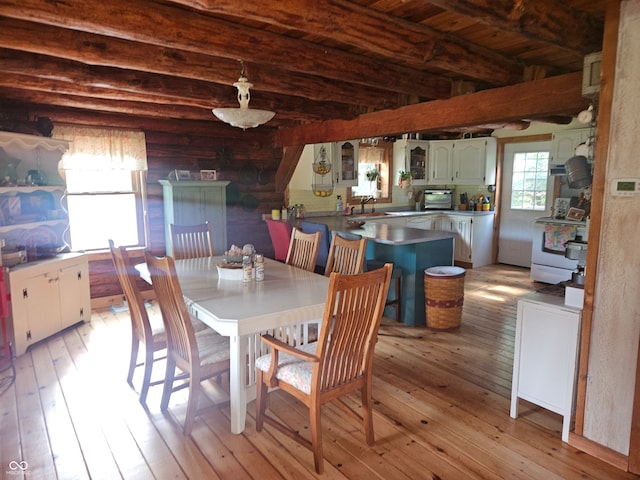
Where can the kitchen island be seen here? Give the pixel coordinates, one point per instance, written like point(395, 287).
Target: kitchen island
point(411, 249)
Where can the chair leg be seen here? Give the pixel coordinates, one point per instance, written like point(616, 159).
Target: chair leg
point(398, 299)
point(146, 381)
point(316, 437)
point(261, 400)
point(192, 404)
point(168, 383)
point(133, 360)
point(367, 413)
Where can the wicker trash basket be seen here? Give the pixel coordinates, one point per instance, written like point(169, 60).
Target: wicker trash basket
point(443, 296)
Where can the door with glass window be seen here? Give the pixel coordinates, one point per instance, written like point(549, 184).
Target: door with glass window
point(526, 192)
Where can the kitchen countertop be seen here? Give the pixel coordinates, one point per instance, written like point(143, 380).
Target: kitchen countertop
point(379, 231)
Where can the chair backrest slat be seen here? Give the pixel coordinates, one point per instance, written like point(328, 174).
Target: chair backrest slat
point(191, 241)
point(352, 317)
point(346, 255)
point(127, 278)
point(303, 250)
point(181, 338)
point(325, 238)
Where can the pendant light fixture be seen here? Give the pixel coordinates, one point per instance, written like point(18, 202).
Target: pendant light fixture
point(243, 117)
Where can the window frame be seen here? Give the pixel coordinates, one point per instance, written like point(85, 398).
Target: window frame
point(387, 158)
point(139, 191)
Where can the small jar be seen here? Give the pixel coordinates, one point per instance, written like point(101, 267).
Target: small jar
point(259, 267)
point(247, 269)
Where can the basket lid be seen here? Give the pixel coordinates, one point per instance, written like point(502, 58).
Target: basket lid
point(444, 271)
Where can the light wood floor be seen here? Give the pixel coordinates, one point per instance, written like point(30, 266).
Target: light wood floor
point(441, 411)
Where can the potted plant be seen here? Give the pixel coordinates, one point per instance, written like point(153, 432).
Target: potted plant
point(372, 175)
point(405, 179)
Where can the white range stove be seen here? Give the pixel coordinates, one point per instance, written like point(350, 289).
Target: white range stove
point(548, 261)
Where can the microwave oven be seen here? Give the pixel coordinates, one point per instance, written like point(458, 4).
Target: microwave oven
point(438, 199)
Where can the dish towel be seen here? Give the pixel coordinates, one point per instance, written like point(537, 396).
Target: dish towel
point(555, 237)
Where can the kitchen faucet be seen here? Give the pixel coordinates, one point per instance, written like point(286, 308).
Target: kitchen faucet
point(364, 200)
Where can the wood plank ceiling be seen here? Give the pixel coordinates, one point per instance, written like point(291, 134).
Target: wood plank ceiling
point(309, 61)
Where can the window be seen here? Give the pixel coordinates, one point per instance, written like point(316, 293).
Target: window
point(105, 174)
point(529, 181)
point(374, 173)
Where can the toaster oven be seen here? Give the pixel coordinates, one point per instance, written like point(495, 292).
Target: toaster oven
point(438, 199)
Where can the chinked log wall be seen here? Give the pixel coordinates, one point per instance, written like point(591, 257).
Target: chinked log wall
point(247, 159)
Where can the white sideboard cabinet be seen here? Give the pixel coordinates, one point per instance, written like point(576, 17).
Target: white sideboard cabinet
point(47, 296)
point(546, 355)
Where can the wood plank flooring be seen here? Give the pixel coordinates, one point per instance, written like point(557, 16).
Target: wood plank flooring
point(441, 411)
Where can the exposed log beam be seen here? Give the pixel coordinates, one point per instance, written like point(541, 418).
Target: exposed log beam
point(72, 78)
point(73, 116)
point(105, 51)
point(374, 32)
point(176, 28)
point(290, 157)
point(561, 95)
point(548, 21)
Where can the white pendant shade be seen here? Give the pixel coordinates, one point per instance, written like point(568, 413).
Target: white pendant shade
point(243, 117)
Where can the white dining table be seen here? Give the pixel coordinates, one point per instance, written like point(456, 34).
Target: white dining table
point(284, 304)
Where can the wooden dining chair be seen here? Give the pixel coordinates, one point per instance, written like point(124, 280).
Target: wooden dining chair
point(191, 241)
point(303, 249)
point(340, 362)
point(146, 330)
point(200, 355)
point(325, 239)
point(346, 255)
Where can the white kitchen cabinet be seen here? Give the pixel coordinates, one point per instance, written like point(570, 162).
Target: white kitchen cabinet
point(413, 155)
point(473, 246)
point(474, 161)
point(426, 222)
point(440, 167)
point(546, 355)
point(345, 163)
point(563, 147)
point(462, 226)
point(48, 296)
point(194, 202)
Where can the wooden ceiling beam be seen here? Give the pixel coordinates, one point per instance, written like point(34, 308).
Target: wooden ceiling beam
point(176, 28)
point(99, 50)
point(561, 95)
point(547, 21)
point(44, 73)
point(346, 22)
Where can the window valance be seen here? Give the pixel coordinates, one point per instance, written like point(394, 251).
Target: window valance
point(102, 148)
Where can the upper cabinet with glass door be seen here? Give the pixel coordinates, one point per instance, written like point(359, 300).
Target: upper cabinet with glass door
point(413, 154)
point(345, 158)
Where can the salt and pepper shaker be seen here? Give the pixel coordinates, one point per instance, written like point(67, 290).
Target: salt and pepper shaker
point(247, 269)
point(259, 267)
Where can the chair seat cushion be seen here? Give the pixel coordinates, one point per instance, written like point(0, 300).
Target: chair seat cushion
point(213, 347)
point(291, 370)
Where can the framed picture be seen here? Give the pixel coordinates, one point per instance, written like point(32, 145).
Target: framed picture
point(208, 175)
point(575, 214)
point(183, 175)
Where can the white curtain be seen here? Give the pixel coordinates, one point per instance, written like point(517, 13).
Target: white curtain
point(102, 148)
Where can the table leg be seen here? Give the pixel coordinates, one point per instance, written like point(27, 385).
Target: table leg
point(237, 390)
